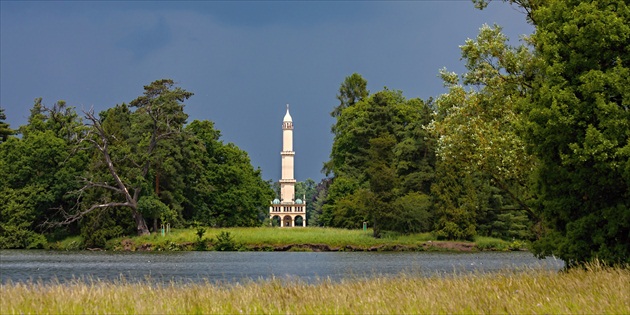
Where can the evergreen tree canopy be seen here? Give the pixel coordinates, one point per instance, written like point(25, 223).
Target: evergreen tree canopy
point(5, 130)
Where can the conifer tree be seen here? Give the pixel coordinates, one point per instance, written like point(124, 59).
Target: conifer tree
point(5, 130)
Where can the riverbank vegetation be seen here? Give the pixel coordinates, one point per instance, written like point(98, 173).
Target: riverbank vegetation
point(298, 239)
point(591, 290)
point(531, 142)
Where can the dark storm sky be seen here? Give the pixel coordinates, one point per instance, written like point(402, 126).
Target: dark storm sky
point(243, 60)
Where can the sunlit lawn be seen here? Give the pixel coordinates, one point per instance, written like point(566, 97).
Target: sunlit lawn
point(266, 236)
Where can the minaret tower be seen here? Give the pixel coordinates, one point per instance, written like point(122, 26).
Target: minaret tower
point(289, 210)
point(287, 182)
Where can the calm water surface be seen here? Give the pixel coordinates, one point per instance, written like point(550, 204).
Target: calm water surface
point(22, 266)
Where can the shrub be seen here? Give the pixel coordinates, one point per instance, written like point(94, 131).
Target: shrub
point(489, 243)
point(200, 244)
point(225, 242)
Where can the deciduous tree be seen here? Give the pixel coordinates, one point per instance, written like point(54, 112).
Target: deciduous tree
point(381, 152)
point(229, 190)
point(36, 171)
point(578, 126)
point(476, 126)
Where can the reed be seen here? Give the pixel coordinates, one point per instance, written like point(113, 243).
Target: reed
point(596, 290)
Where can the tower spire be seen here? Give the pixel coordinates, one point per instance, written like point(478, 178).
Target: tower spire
point(287, 116)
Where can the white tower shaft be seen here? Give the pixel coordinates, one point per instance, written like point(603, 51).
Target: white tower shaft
point(287, 182)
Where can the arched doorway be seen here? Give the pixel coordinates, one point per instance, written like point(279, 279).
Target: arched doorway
point(299, 221)
point(275, 220)
point(286, 221)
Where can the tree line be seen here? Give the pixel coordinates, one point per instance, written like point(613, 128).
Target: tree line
point(124, 171)
point(532, 142)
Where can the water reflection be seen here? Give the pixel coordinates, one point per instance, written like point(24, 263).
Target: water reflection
point(21, 266)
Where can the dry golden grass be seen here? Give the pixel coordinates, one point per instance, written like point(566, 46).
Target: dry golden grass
point(594, 291)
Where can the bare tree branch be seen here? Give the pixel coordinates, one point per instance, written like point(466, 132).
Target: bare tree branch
point(103, 147)
point(158, 104)
point(91, 184)
point(73, 217)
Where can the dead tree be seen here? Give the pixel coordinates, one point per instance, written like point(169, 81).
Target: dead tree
point(98, 138)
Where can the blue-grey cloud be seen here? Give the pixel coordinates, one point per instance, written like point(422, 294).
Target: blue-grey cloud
point(147, 38)
point(244, 61)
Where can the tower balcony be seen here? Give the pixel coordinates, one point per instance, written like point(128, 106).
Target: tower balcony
point(287, 152)
point(288, 208)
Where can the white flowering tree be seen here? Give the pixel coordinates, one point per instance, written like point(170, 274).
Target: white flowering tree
point(482, 162)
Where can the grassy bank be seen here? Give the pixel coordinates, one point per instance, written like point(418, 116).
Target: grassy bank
point(296, 239)
point(594, 291)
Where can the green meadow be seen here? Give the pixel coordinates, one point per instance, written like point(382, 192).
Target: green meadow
point(296, 239)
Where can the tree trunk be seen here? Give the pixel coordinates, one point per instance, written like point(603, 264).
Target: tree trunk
point(157, 194)
point(141, 224)
point(376, 232)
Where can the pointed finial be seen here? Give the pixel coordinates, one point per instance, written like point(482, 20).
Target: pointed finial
point(287, 116)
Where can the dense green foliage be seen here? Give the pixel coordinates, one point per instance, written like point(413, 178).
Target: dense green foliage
point(574, 119)
point(577, 123)
point(482, 166)
point(531, 142)
point(131, 169)
point(5, 129)
point(235, 193)
point(36, 173)
point(381, 153)
point(352, 90)
point(307, 190)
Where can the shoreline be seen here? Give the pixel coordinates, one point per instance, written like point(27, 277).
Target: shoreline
point(429, 246)
point(279, 240)
point(446, 246)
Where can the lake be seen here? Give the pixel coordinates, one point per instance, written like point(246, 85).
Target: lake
point(229, 267)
